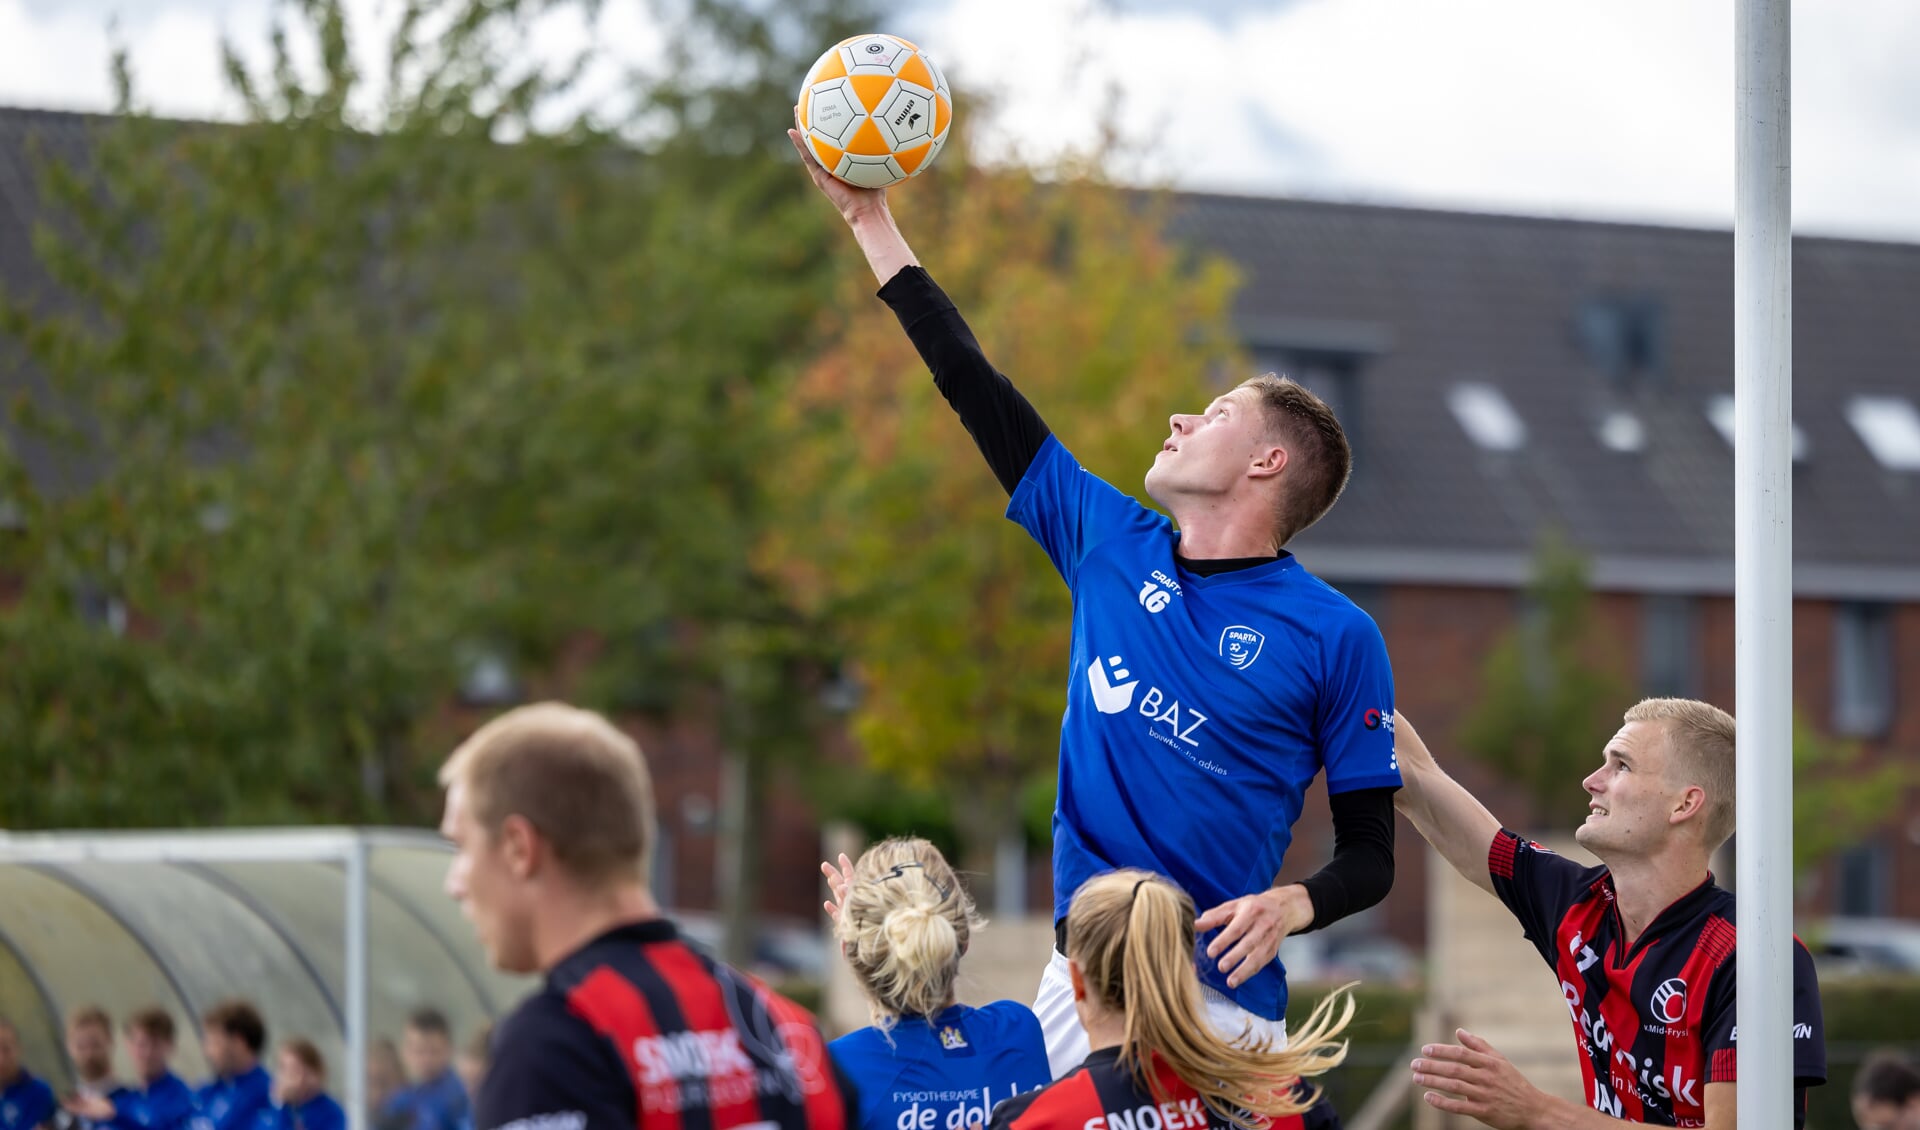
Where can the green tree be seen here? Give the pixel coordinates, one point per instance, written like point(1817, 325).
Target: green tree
point(1551, 693)
point(955, 622)
point(345, 396)
point(1552, 698)
point(1837, 801)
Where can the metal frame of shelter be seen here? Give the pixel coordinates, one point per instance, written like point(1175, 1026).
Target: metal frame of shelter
point(347, 847)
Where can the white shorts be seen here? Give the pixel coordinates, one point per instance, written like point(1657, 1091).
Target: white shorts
point(1067, 1040)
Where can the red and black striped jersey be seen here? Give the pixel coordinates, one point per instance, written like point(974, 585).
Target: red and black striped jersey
point(1101, 1094)
point(1654, 1020)
point(638, 1031)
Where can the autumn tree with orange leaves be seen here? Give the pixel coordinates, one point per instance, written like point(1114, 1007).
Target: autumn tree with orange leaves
point(955, 623)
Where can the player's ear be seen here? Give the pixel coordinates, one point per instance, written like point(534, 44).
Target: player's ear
point(1078, 979)
point(1268, 460)
point(520, 846)
point(1691, 802)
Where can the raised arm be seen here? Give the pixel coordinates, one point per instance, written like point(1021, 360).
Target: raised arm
point(1006, 428)
point(1445, 814)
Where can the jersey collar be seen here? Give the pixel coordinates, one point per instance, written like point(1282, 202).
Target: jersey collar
point(1244, 569)
point(1682, 910)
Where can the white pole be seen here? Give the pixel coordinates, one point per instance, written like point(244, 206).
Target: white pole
point(1763, 559)
point(356, 1065)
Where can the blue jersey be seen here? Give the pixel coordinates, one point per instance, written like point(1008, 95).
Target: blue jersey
point(233, 1103)
point(165, 1103)
point(318, 1113)
point(25, 1103)
point(437, 1104)
point(1199, 708)
point(945, 1073)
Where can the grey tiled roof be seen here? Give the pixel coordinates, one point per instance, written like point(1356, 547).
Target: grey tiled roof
point(1434, 298)
point(1428, 299)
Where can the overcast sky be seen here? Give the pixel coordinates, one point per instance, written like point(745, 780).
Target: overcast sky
point(1621, 110)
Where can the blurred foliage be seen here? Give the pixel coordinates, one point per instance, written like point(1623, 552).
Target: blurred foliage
point(411, 373)
point(893, 532)
point(1838, 802)
point(1552, 700)
point(341, 398)
point(1552, 694)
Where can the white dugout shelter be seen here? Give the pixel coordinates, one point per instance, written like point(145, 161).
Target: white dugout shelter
point(336, 934)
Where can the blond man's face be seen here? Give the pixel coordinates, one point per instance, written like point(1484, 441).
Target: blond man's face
point(493, 894)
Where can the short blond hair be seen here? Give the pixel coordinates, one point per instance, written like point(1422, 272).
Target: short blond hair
point(1701, 738)
point(904, 923)
point(571, 774)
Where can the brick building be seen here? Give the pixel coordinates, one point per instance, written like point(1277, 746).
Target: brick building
point(1504, 377)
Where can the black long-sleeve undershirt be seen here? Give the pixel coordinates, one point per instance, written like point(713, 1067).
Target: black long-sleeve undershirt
point(1010, 433)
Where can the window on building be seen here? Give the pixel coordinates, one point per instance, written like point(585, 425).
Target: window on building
point(1890, 427)
point(1720, 411)
point(1862, 669)
point(1864, 890)
point(1483, 412)
point(1669, 647)
point(1625, 337)
point(1620, 430)
point(1331, 375)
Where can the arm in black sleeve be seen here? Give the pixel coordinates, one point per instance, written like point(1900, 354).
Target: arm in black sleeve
point(1003, 424)
point(1361, 871)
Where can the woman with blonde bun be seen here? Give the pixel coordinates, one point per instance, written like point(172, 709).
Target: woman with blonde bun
point(1158, 1063)
point(927, 1063)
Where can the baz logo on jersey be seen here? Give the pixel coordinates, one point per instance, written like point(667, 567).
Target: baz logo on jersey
point(1112, 686)
point(1111, 693)
point(1240, 646)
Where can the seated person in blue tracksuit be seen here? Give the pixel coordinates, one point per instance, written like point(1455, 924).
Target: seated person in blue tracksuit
point(300, 1094)
point(240, 1092)
point(157, 1100)
point(26, 1103)
point(435, 1099)
point(927, 1063)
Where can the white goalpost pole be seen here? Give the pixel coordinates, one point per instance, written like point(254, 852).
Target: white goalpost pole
point(1763, 559)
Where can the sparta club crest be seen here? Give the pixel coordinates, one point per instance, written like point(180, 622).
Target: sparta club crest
point(1240, 646)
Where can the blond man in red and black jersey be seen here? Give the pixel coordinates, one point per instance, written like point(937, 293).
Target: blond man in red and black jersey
point(550, 810)
point(1642, 947)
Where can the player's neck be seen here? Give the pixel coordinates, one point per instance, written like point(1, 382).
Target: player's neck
point(1215, 528)
point(575, 916)
point(1643, 887)
point(1107, 1030)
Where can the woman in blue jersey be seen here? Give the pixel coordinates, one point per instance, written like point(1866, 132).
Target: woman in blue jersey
point(927, 1063)
point(1158, 1063)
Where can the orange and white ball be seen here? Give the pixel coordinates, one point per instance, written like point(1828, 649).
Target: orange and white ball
point(876, 110)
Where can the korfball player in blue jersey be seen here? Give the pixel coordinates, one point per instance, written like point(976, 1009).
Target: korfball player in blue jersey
point(1212, 676)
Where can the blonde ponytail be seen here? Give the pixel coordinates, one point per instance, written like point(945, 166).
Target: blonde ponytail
point(1132, 935)
point(903, 925)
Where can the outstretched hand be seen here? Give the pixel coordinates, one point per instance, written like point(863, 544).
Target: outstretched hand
point(839, 881)
point(1252, 929)
point(850, 200)
point(1474, 1079)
